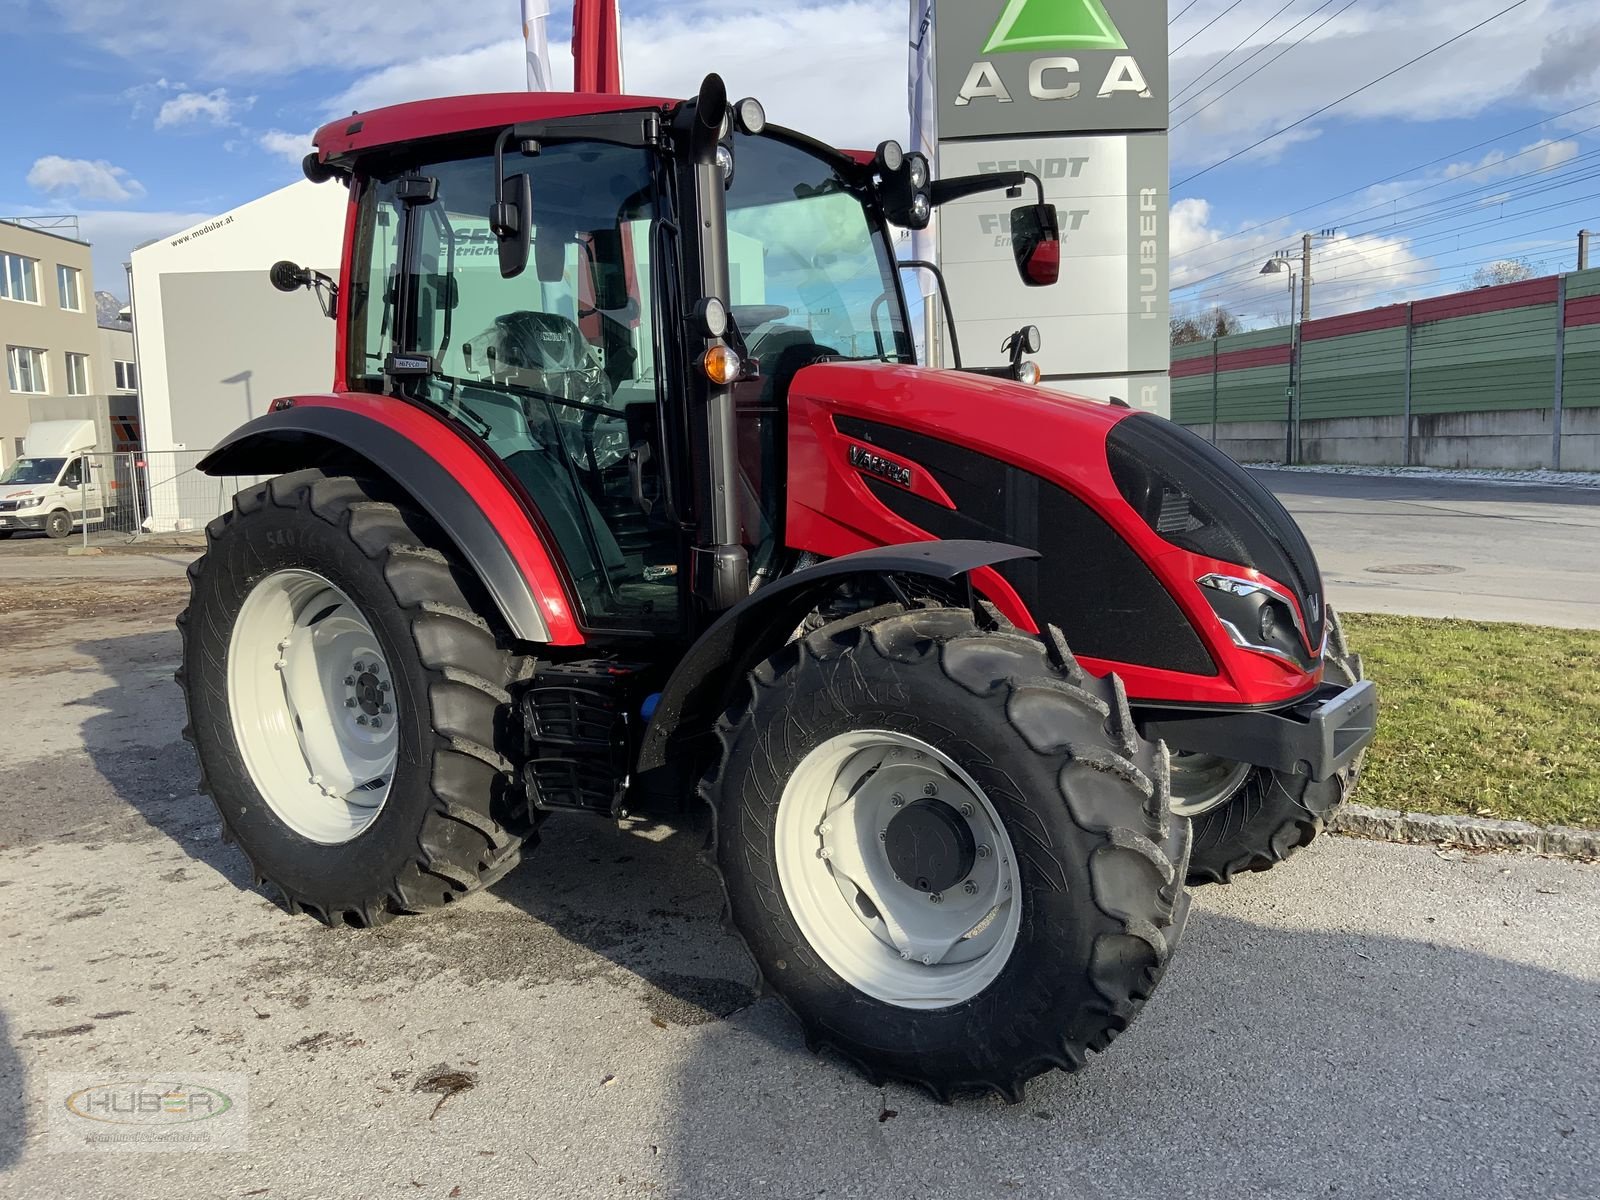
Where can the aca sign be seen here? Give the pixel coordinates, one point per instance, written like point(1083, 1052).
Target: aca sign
point(1051, 66)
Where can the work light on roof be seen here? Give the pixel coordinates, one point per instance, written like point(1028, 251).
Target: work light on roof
point(751, 116)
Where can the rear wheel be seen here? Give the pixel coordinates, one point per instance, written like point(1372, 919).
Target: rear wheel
point(348, 703)
point(58, 524)
point(949, 854)
point(1250, 818)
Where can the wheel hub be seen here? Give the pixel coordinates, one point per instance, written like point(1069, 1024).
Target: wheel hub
point(897, 869)
point(930, 846)
point(312, 706)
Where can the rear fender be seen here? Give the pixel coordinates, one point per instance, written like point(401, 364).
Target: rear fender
point(448, 477)
point(704, 681)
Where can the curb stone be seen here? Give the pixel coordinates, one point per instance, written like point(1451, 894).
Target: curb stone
point(1388, 825)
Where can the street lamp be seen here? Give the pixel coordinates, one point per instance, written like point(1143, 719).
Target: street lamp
point(1278, 264)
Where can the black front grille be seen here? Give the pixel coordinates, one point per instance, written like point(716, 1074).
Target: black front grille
point(1197, 498)
point(1089, 582)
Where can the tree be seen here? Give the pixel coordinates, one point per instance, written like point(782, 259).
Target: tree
point(1507, 270)
point(1214, 322)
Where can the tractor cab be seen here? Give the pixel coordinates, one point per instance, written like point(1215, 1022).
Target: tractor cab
point(617, 304)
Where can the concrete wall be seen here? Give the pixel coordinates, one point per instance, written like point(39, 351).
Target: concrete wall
point(1515, 440)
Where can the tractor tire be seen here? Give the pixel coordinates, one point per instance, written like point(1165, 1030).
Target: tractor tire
point(1273, 814)
point(442, 815)
point(1038, 759)
point(58, 524)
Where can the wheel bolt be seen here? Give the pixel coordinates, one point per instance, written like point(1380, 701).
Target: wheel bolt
point(970, 888)
point(377, 722)
point(360, 667)
point(927, 960)
point(361, 720)
point(388, 708)
point(280, 665)
point(350, 703)
point(384, 686)
point(824, 853)
point(883, 835)
point(906, 955)
point(897, 800)
point(930, 789)
point(984, 851)
point(936, 897)
point(349, 681)
point(967, 810)
point(824, 829)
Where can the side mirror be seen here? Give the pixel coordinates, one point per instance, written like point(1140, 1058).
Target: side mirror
point(1036, 243)
point(511, 219)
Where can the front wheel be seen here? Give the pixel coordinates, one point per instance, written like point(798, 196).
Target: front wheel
point(58, 524)
point(1250, 818)
point(950, 855)
point(347, 702)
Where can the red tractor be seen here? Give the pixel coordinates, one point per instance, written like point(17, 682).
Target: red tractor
point(630, 489)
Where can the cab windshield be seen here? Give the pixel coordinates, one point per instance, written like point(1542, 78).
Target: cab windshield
point(807, 263)
point(33, 471)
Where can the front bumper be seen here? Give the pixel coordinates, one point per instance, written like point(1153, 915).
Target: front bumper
point(11, 521)
point(1320, 736)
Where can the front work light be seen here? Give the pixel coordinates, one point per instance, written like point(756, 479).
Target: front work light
point(751, 116)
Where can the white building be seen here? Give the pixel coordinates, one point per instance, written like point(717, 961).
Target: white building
point(217, 343)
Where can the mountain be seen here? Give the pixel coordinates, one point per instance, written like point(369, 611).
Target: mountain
point(107, 311)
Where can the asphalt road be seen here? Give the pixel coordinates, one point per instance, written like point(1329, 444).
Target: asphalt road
point(1447, 548)
point(1370, 1021)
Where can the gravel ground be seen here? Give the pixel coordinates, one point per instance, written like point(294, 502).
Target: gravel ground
point(1372, 1020)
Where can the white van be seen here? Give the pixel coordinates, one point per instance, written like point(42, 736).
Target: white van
point(56, 486)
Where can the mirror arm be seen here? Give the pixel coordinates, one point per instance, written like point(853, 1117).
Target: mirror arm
point(943, 191)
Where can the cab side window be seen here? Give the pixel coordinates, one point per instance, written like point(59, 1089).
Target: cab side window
point(73, 477)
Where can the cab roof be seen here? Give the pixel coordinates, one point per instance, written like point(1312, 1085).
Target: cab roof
point(464, 114)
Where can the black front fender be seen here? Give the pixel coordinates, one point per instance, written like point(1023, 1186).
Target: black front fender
point(703, 682)
point(294, 438)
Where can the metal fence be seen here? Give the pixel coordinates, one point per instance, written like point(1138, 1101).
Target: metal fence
point(136, 496)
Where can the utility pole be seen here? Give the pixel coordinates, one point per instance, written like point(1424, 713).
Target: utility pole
point(1583, 249)
point(1305, 278)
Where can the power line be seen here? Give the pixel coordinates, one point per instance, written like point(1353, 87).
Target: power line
point(1347, 219)
point(1348, 95)
point(1179, 17)
point(1275, 58)
point(1391, 178)
point(1204, 27)
point(1190, 86)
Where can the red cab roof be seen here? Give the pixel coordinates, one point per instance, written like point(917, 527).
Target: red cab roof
point(462, 114)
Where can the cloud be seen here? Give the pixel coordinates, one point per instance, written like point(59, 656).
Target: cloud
point(1568, 62)
point(1350, 273)
point(1543, 155)
point(96, 180)
point(1461, 81)
point(291, 147)
point(212, 108)
point(836, 70)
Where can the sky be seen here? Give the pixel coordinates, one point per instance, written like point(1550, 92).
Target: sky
point(146, 117)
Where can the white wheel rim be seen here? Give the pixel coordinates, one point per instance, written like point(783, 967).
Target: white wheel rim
point(832, 849)
point(1202, 783)
point(314, 711)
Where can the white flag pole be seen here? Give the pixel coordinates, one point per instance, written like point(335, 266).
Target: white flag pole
point(535, 19)
point(924, 106)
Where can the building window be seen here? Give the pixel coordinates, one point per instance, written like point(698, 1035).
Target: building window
point(19, 278)
point(25, 370)
point(69, 280)
point(77, 374)
point(127, 376)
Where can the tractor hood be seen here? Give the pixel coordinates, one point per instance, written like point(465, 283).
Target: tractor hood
point(1128, 511)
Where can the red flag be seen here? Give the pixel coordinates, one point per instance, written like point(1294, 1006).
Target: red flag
point(597, 46)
